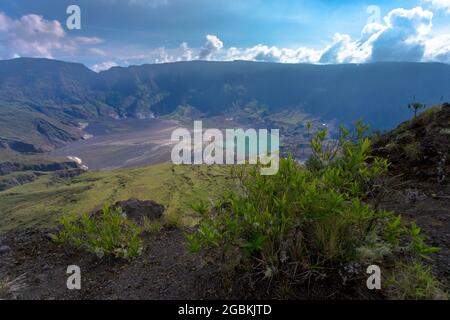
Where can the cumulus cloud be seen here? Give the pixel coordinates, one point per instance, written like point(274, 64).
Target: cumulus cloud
point(344, 50)
point(403, 35)
point(274, 54)
point(5, 22)
point(438, 49)
point(403, 39)
point(88, 40)
point(213, 45)
point(96, 52)
point(440, 4)
point(33, 36)
point(187, 53)
point(104, 66)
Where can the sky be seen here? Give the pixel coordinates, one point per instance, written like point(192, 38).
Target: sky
point(132, 32)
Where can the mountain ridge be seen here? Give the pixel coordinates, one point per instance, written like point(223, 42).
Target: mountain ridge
point(55, 97)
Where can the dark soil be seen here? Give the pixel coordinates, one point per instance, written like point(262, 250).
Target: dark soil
point(429, 206)
point(165, 270)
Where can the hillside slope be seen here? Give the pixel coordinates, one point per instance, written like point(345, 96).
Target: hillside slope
point(419, 184)
point(41, 202)
point(420, 148)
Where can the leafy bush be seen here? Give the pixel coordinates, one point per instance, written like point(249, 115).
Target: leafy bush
point(110, 233)
point(309, 218)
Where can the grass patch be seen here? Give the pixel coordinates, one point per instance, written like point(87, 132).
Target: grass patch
point(415, 282)
point(412, 150)
point(9, 287)
point(151, 227)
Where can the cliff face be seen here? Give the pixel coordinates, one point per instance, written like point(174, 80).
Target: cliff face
point(17, 169)
point(10, 167)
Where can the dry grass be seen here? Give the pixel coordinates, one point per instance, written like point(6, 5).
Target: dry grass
point(9, 288)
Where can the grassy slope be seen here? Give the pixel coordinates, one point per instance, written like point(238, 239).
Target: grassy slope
point(40, 203)
point(19, 123)
point(7, 155)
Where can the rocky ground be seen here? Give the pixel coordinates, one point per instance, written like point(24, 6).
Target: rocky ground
point(165, 270)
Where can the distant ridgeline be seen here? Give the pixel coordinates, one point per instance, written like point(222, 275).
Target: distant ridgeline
point(43, 103)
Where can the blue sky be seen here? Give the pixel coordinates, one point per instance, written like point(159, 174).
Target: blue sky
point(124, 32)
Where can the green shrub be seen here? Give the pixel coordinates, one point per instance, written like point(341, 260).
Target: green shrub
point(110, 233)
point(418, 244)
point(309, 218)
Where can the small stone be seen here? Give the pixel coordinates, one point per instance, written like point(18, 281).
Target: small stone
point(4, 249)
point(49, 236)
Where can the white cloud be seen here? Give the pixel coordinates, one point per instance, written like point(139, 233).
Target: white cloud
point(33, 36)
point(404, 37)
point(438, 49)
point(440, 4)
point(344, 50)
point(213, 45)
point(97, 52)
point(104, 66)
point(88, 40)
point(5, 22)
point(187, 53)
point(274, 54)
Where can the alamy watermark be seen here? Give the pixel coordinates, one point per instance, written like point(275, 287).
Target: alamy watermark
point(374, 12)
point(73, 22)
point(74, 280)
point(236, 146)
point(374, 280)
